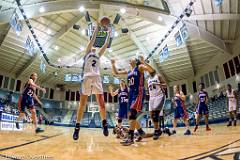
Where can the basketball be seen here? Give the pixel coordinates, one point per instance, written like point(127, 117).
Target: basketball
point(105, 21)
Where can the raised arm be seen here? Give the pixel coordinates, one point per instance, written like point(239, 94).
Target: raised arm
point(182, 96)
point(145, 67)
point(163, 82)
point(92, 41)
point(104, 47)
point(110, 89)
point(36, 86)
point(115, 71)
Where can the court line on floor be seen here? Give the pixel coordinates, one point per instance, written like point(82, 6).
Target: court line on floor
point(210, 150)
point(31, 142)
point(9, 157)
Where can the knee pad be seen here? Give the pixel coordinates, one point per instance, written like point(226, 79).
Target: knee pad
point(133, 114)
point(155, 116)
point(119, 120)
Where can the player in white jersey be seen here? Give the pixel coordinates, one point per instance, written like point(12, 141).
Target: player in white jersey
point(156, 85)
point(92, 83)
point(232, 105)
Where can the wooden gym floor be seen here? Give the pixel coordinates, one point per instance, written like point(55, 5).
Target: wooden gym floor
point(56, 143)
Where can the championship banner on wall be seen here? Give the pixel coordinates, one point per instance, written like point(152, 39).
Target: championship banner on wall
point(178, 39)
point(16, 24)
point(218, 2)
point(42, 67)
point(184, 33)
point(29, 46)
point(164, 54)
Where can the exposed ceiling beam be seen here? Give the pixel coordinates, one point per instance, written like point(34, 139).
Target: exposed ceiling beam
point(56, 7)
point(4, 33)
point(213, 17)
point(191, 61)
point(50, 42)
point(195, 31)
point(141, 47)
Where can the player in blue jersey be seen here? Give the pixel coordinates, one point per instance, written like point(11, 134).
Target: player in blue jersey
point(180, 110)
point(122, 93)
point(202, 108)
point(26, 100)
point(136, 93)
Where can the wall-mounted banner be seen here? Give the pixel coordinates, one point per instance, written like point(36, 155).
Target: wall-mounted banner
point(184, 33)
point(164, 54)
point(178, 39)
point(29, 46)
point(16, 24)
point(218, 2)
point(42, 67)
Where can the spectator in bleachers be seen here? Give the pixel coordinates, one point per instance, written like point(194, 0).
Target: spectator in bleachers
point(232, 105)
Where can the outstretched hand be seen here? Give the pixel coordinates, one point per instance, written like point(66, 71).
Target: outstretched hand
point(113, 61)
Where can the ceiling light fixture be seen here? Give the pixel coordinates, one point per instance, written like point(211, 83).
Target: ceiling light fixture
point(115, 34)
point(123, 10)
point(41, 9)
point(49, 31)
point(56, 48)
point(83, 32)
point(160, 18)
point(81, 8)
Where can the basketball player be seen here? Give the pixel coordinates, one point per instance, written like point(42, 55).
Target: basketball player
point(26, 99)
point(92, 83)
point(156, 85)
point(180, 110)
point(136, 92)
point(232, 105)
point(202, 108)
point(122, 93)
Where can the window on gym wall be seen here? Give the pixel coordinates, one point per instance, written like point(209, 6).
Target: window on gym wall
point(12, 83)
point(51, 93)
point(6, 80)
point(206, 80)
point(184, 89)
point(18, 86)
point(211, 77)
point(1, 80)
point(194, 85)
point(109, 98)
point(166, 92)
point(67, 95)
point(72, 96)
point(77, 96)
point(237, 64)
point(216, 77)
point(171, 92)
point(40, 92)
point(226, 70)
point(105, 96)
point(231, 66)
point(47, 93)
point(115, 99)
point(202, 79)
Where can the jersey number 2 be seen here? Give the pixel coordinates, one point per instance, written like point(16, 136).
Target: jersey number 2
point(94, 63)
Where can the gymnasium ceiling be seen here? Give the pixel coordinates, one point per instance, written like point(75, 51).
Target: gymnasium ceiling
point(211, 29)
